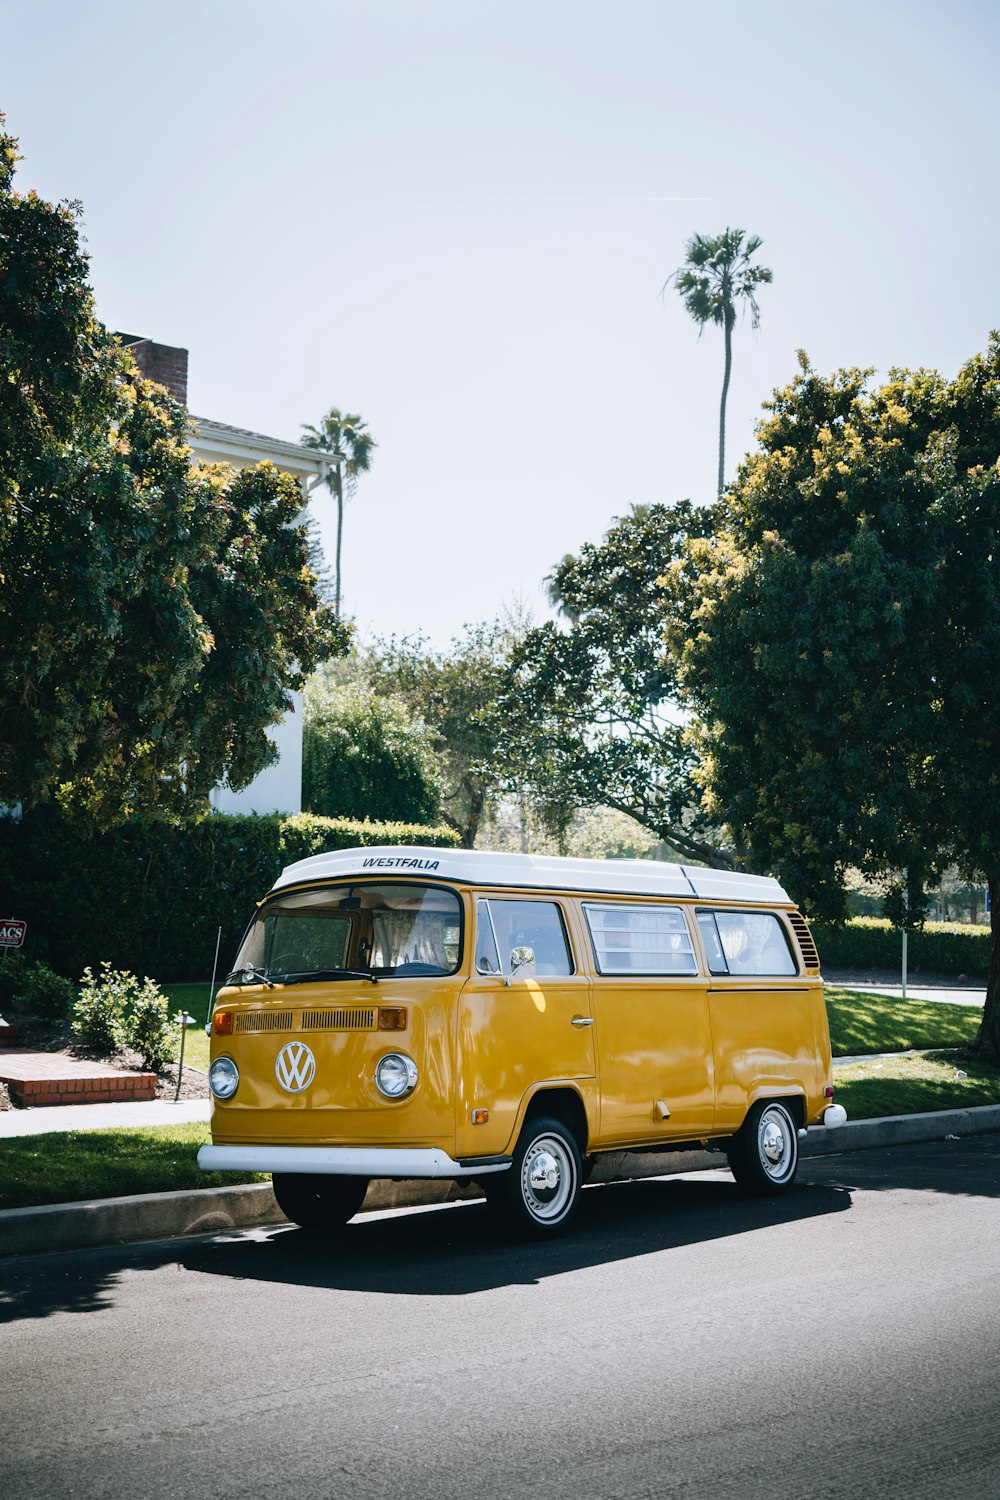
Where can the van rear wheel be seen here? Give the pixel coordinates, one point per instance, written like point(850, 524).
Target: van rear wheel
point(539, 1195)
point(318, 1201)
point(764, 1154)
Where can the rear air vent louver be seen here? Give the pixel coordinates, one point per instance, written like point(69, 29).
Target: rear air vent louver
point(264, 1020)
point(343, 1019)
point(801, 928)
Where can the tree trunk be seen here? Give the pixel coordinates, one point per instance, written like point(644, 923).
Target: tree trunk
point(730, 317)
point(339, 491)
point(986, 1047)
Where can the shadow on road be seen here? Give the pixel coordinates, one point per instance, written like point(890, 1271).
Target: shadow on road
point(461, 1250)
point(457, 1251)
point(448, 1252)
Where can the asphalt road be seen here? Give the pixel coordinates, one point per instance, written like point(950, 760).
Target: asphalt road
point(681, 1341)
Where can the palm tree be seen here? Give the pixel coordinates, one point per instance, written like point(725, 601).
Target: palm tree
point(344, 435)
point(715, 276)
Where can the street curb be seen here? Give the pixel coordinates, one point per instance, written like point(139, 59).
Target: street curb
point(900, 1130)
point(157, 1216)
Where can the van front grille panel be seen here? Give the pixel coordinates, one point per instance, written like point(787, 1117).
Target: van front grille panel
point(264, 1020)
point(810, 957)
point(345, 1018)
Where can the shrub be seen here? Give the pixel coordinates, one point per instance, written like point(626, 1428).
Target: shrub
point(30, 986)
point(48, 995)
point(873, 943)
point(149, 1028)
point(116, 1011)
point(364, 756)
point(100, 1010)
point(14, 971)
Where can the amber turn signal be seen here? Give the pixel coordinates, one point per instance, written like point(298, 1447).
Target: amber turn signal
point(480, 1117)
point(392, 1018)
point(222, 1023)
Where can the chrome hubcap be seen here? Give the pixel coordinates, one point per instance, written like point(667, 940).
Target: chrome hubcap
point(776, 1144)
point(773, 1142)
point(548, 1176)
point(544, 1172)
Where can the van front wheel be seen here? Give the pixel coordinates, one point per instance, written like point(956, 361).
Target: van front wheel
point(764, 1154)
point(540, 1193)
point(317, 1200)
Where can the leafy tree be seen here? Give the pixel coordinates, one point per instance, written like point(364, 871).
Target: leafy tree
point(515, 825)
point(364, 756)
point(153, 618)
point(716, 276)
point(846, 639)
point(458, 695)
point(346, 436)
point(591, 700)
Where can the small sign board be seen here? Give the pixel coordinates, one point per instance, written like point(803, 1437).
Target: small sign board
point(12, 931)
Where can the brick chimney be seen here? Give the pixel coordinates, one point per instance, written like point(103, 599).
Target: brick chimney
point(160, 362)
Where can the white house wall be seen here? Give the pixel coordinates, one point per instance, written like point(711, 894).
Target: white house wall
point(279, 787)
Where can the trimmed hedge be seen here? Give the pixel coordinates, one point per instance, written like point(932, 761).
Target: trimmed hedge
point(873, 943)
point(150, 896)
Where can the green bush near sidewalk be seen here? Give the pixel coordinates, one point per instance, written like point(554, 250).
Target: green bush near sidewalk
point(873, 943)
point(151, 895)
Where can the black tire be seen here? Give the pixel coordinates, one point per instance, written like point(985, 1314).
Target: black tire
point(318, 1201)
point(540, 1193)
point(764, 1154)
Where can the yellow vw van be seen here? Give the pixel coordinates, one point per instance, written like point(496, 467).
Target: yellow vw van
point(444, 1013)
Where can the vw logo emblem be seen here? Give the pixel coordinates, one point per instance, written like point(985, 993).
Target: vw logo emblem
point(295, 1067)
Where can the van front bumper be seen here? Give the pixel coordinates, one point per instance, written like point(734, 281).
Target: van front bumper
point(345, 1161)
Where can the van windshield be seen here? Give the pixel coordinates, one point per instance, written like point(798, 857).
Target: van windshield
point(360, 930)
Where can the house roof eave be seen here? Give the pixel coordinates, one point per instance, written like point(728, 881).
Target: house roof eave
point(217, 442)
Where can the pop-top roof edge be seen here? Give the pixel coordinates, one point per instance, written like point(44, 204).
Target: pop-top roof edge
point(480, 867)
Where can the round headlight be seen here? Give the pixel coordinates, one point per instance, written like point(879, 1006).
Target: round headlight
point(396, 1076)
point(223, 1078)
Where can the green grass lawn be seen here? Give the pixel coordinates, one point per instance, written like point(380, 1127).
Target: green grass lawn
point(862, 1022)
point(908, 1085)
point(64, 1167)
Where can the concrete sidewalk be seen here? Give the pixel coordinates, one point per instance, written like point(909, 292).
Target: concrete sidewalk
point(883, 982)
point(15, 1122)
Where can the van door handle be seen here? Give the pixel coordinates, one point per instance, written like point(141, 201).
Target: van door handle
point(582, 1021)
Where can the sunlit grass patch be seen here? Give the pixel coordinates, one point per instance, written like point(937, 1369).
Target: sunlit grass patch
point(862, 1022)
point(908, 1085)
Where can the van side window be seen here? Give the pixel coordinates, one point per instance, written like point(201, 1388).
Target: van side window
point(530, 924)
point(746, 942)
point(487, 958)
point(713, 944)
point(640, 939)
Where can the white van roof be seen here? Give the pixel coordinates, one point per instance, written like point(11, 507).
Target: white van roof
point(620, 877)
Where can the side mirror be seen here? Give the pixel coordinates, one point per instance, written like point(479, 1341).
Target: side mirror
point(519, 959)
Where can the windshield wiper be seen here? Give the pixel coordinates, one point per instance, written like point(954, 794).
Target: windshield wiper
point(249, 975)
point(303, 975)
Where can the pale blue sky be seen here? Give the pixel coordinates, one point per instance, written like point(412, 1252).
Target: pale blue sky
point(455, 218)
